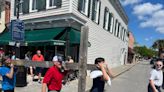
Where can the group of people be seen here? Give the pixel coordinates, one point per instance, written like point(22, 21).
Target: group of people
point(52, 80)
point(54, 76)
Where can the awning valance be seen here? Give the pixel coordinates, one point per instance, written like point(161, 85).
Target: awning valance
point(42, 37)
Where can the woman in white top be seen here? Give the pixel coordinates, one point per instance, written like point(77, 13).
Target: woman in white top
point(156, 78)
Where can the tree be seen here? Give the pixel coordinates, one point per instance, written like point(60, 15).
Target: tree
point(145, 52)
point(159, 44)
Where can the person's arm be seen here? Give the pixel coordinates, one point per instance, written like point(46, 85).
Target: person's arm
point(105, 75)
point(47, 78)
point(44, 86)
point(10, 74)
point(33, 58)
point(153, 86)
point(109, 71)
point(151, 80)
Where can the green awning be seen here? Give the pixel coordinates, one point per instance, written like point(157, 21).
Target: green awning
point(5, 38)
point(43, 37)
point(74, 36)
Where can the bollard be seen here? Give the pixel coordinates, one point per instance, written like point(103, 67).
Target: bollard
point(21, 76)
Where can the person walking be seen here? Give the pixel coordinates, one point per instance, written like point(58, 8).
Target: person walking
point(100, 76)
point(156, 77)
point(38, 57)
point(8, 76)
point(54, 76)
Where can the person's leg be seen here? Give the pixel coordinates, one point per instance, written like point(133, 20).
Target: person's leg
point(150, 88)
point(31, 71)
point(158, 88)
point(39, 71)
point(39, 77)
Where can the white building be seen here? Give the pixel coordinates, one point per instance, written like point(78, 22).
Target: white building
point(106, 19)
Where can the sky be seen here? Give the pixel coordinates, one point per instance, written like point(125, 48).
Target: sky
point(146, 20)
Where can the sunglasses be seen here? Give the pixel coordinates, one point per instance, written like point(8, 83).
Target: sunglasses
point(159, 65)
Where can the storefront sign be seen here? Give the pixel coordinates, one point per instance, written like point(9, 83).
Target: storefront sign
point(17, 29)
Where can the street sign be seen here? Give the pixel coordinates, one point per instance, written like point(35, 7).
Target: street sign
point(18, 30)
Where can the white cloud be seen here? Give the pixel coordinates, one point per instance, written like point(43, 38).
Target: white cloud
point(150, 15)
point(146, 8)
point(160, 29)
point(129, 2)
point(146, 39)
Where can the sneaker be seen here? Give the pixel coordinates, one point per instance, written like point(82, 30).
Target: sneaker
point(39, 81)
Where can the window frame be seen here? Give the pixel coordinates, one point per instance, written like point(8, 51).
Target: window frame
point(96, 12)
point(48, 5)
point(118, 30)
point(85, 11)
point(106, 18)
point(20, 9)
point(111, 23)
point(31, 6)
point(116, 27)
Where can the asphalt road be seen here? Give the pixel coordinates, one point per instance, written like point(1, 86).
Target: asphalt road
point(134, 80)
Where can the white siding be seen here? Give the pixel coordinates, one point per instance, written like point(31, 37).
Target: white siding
point(51, 12)
point(2, 21)
point(103, 43)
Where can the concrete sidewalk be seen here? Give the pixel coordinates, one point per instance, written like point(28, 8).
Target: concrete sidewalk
point(73, 85)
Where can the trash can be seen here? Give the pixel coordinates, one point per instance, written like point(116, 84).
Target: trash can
point(21, 76)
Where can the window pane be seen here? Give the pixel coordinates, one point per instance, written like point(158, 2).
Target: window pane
point(83, 5)
point(20, 8)
point(33, 4)
point(51, 2)
point(107, 19)
point(111, 24)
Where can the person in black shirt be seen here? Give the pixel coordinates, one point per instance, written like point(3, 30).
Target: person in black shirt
point(99, 82)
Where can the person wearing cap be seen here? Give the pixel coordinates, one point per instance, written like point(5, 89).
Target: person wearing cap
point(8, 76)
point(54, 76)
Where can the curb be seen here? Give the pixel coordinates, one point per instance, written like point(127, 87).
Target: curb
point(123, 71)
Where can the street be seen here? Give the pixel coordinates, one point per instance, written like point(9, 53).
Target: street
point(134, 80)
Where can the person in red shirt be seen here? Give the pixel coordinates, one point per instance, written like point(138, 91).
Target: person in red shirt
point(54, 76)
point(38, 57)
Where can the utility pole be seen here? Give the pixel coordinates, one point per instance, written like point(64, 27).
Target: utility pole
point(17, 48)
point(18, 8)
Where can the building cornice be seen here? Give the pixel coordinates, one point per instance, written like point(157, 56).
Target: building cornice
point(117, 5)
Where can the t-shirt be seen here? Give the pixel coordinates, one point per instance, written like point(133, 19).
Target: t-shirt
point(38, 58)
point(98, 85)
point(53, 79)
point(157, 77)
point(7, 84)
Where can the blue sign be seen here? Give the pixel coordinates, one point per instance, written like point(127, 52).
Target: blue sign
point(18, 30)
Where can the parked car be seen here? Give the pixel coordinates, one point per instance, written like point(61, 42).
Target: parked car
point(152, 61)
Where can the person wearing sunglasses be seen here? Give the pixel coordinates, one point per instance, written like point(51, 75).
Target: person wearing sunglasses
point(156, 77)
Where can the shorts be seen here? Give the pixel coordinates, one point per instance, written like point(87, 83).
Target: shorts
point(151, 90)
point(9, 90)
point(53, 91)
point(38, 70)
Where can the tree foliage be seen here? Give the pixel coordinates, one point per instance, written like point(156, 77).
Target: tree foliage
point(145, 52)
point(159, 44)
